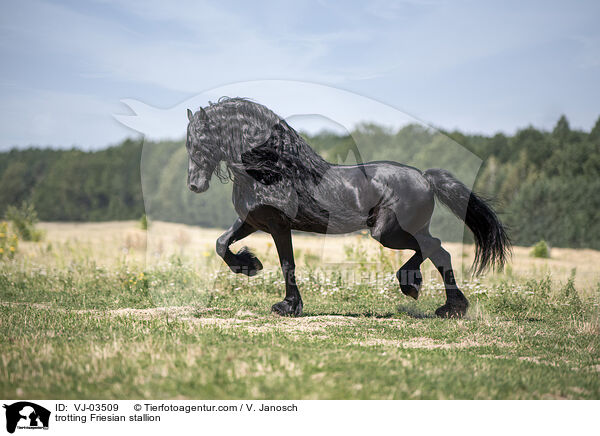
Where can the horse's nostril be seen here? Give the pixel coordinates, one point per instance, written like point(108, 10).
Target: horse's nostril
point(198, 186)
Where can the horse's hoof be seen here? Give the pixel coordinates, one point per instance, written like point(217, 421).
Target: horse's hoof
point(244, 269)
point(248, 263)
point(257, 264)
point(287, 308)
point(407, 286)
point(454, 309)
point(411, 290)
point(252, 270)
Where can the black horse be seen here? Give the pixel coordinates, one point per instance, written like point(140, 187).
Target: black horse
point(280, 184)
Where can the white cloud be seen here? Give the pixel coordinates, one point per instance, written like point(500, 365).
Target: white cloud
point(409, 53)
point(286, 98)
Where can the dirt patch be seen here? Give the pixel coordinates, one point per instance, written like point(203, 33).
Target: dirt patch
point(242, 317)
point(34, 305)
point(242, 312)
point(427, 343)
point(531, 359)
point(536, 360)
point(312, 324)
point(181, 313)
point(258, 324)
point(220, 322)
point(150, 313)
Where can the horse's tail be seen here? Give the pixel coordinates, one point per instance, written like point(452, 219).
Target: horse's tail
point(492, 244)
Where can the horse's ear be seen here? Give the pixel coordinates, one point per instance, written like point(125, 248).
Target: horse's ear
point(203, 115)
point(190, 115)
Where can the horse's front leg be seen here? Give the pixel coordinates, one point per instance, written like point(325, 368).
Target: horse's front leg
point(292, 303)
point(243, 261)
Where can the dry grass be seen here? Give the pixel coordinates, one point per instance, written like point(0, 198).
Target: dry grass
point(79, 319)
point(109, 243)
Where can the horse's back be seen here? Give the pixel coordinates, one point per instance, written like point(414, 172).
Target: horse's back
point(353, 193)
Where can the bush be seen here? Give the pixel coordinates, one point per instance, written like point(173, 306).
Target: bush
point(144, 222)
point(9, 242)
point(570, 294)
point(541, 250)
point(24, 220)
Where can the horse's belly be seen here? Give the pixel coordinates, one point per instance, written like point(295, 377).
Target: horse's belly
point(330, 227)
point(314, 217)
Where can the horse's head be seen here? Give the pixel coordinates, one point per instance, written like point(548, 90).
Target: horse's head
point(204, 154)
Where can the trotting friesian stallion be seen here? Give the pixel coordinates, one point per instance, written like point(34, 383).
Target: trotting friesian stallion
point(280, 184)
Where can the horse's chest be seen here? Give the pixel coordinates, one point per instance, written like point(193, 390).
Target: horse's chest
point(253, 195)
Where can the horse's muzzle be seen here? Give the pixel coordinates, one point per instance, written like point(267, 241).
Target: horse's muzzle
point(198, 187)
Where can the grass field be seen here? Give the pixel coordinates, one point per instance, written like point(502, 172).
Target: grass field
point(107, 310)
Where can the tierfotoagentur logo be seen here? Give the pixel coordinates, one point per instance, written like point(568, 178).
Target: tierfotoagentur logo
point(26, 415)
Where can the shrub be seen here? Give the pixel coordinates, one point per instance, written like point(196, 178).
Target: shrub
point(570, 294)
point(9, 242)
point(24, 220)
point(144, 222)
point(541, 250)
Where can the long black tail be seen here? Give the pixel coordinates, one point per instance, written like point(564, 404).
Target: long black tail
point(492, 244)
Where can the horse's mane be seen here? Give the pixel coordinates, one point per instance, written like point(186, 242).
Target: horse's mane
point(255, 141)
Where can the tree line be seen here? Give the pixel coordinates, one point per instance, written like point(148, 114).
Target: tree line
point(544, 184)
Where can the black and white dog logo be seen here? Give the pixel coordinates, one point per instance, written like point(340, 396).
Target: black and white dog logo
point(26, 415)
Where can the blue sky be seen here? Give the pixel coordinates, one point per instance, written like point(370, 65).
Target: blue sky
point(473, 65)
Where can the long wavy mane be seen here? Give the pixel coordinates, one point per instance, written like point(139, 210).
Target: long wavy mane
point(254, 141)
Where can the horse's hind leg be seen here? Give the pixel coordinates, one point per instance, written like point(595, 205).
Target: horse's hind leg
point(390, 234)
point(242, 262)
point(410, 277)
point(456, 302)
